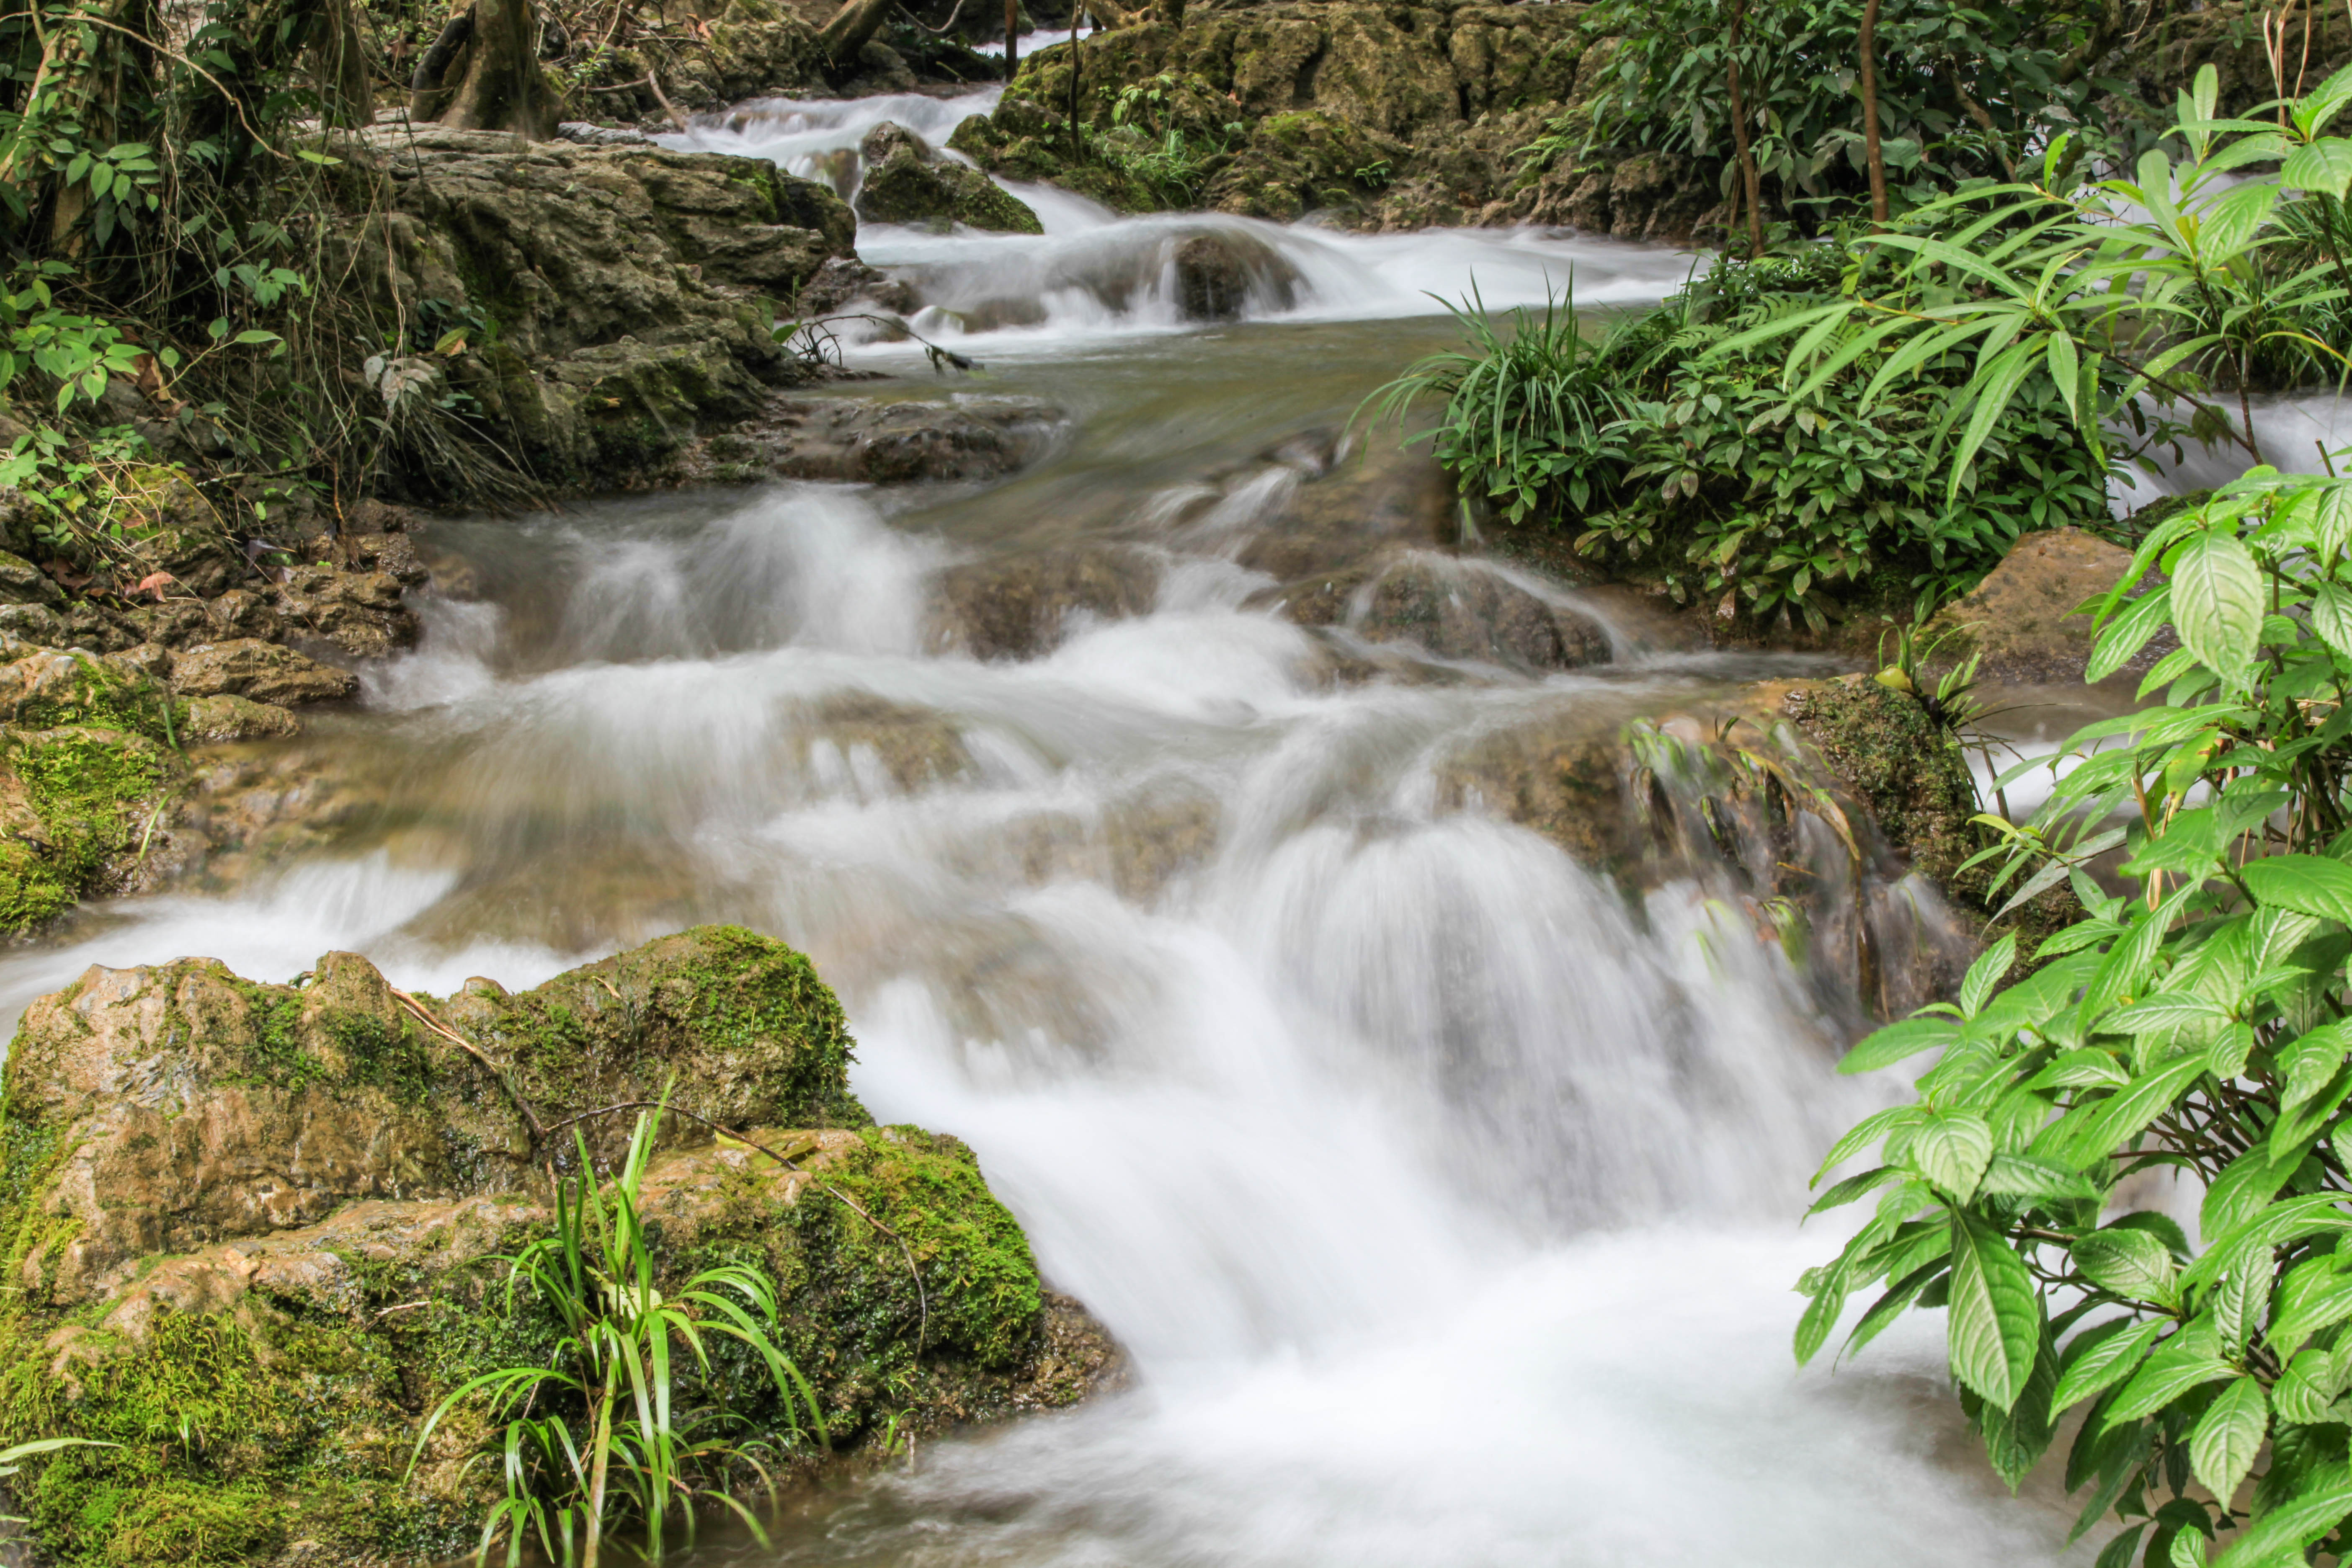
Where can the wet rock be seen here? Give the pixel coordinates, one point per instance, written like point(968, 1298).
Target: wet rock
point(1019, 606)
point(846, 283)
point(265, 672)
point(907, 183)
point(222, 1179)
point(360, 613)
point(913, 748)
point(225, 720)
point(1465, 609)
point(35, 624)
point(22, 582)
point(632, 287)
point(856, 440)
point(2022, 617)
point(1220, 273)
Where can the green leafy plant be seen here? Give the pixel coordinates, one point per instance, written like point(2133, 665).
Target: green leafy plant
point(1963, 90)
point(2171, 284)
point(2194, 1026)
point(628, 1419)
point(1671, 458)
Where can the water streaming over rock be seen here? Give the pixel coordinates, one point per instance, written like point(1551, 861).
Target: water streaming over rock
point(1442, 1188)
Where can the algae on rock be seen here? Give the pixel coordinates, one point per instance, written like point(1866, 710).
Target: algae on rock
point(250, 1234)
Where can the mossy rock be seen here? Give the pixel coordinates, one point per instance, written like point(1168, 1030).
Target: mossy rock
point(254, 1231)
point(907, 183)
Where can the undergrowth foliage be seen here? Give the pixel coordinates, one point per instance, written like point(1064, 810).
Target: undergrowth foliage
point(1668, 456)
point(628, 1421)
point(2192, 1032)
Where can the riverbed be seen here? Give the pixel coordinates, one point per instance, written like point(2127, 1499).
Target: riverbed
point(1443, 1191)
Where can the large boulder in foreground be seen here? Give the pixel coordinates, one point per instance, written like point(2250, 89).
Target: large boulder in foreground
point(249, 1235)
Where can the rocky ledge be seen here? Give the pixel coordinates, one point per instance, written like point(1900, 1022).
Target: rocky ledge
point(251, 1231)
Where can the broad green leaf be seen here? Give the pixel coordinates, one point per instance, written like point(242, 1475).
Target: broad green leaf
point(1878, 1124)
point(1996, 1317)
point(2217, 602)
point(1889, 1307)
point(2187, 1360)
point(2314, 1295)
point(1986, 973)
point(1951, 1151)
point(2322, 166)
point(2307, 883)
point(2331, 617)
point(2128, 633)
point(2238, 1194)
point(2165, 1013)
point(2081, 1069)
point(2332, 530)
point(2130, 1263)
point(2105, 1362)
point(2280, 1222)
point(2306, 1063)
point(1892, 1043)
point(2288, 1529)
point(1853, 1187)
point(2307, 1388)
point(1820, 1314)
point(2015, 1439)
point(2124, 1116)
point(2022, 1176)
point(2187, 1550)
point(2238, 1296)
point(2119, 1551)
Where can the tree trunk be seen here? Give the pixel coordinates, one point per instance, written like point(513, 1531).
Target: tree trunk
point(427, 96)
point(346, 94)
point(852, 27)
point(1012, 37)
point(1748, 178)
point(1872, 154)
point(1076, 12)
point(501, 86)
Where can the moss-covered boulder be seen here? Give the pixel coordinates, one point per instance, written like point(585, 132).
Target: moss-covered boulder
point(248, 1233)
point(907, 183)
point(86, 768)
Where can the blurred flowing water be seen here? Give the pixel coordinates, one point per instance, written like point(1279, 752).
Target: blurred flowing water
point(1444, 1192)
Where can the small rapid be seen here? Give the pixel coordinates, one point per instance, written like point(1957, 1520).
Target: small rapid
point(1439, 1186)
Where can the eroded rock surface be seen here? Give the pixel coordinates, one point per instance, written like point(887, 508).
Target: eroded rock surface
point(1020, 605)
point(273, 1209)
point(2021, 619)
point(908, 182)
point(865, 441)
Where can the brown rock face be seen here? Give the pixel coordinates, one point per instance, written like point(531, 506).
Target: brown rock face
point(1217, 274)
point(858, 441)
point(299, 1191)
point(265, 672)
point(1017, 607)
point(1459, 609)
point(2022, 617)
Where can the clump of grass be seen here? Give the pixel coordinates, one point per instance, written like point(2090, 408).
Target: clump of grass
point(603, 1435)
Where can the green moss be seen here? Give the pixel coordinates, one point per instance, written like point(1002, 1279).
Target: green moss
point(91, 791)
point(980, 1287)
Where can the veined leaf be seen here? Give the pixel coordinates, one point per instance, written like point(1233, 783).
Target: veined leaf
point(2307, 883)
point(2170, 1010)
point(2280, 1222)
point(1996, 1317)
point(2186, 1361)
point(1986, 973)
point(2288, 1529)
point(2314, 1295)
point(2122, 1117)
point(1869, 1131)
point(2307, 1062)
point(2128, 633)
point(2307, 1387)
point(2324, 166)
point(2081, 1069)
point(1951, 1151)
point(2131, 1263)
point(2104, 1363)
point(2217, 602)
point(2222, 1447)
point(1892, 1043)
point(2238, 1194)
point(2022, 1176)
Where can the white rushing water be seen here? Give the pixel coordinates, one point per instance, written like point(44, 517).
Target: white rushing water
point(1443, 1197)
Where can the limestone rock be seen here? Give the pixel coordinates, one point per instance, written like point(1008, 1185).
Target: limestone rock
point(2022, 617)
point(907, 183)
point(223, 720)
point(862, 441)
point(22, 582)
point(281, 1206)
point(627, 290)
point(265, 672)
point(1466, 609)
point(1019, 606)
point(1220, 273)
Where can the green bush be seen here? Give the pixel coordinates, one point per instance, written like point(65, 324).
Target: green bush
point(1670, 457)
point(2196, 1026)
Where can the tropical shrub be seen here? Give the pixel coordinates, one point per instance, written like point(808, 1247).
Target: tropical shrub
point(2194, 1027)
point(628, 1421)
point(1963, 91)
point(1669, 457)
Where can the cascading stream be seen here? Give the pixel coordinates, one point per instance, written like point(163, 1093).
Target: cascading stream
point(1442, 1195)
